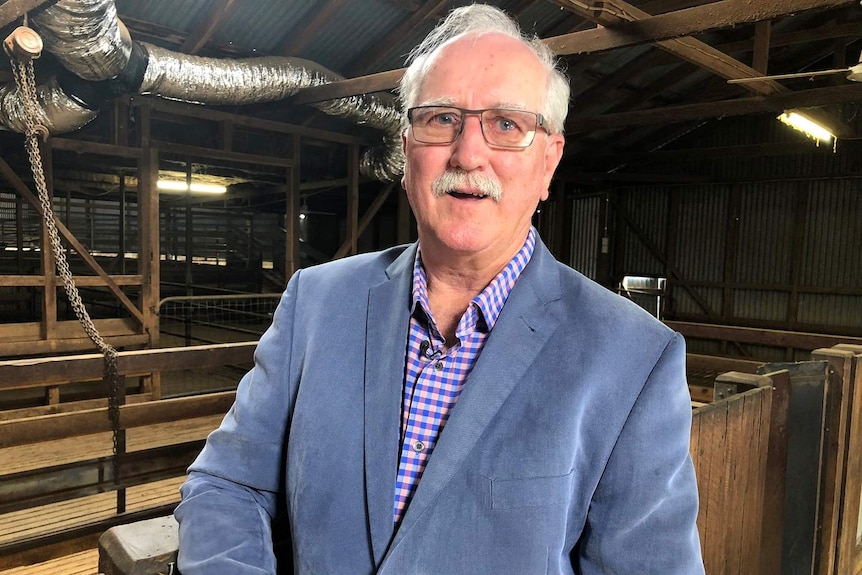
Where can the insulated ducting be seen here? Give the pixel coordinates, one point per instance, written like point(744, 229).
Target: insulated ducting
point(57, 111)
point(90, 41)
point(85, 36)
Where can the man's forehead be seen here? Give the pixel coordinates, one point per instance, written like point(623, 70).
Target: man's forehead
point(517, 65)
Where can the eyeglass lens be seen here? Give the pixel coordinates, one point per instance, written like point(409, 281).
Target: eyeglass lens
point(501, 127)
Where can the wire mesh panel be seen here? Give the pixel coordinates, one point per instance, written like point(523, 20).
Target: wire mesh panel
point(191, 320)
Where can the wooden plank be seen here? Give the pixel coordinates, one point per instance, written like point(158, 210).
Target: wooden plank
point(87, 147)
point(776, 471)
point(185, 110)
point(734, 492)
point(36, 372)
point(849, 552)
point(214, 153)
point(52, 539)
point(727, 13)
point(80, 563)
point(65, 407)
point(30, 331)
point(65, 483)
point(778, 338)
point(66, 345)
point(836, 436)
point(714, 494)
point(719, 364)
point(84, 422)
point(719, 109)
point(72, 449)
point(89, 281)
point(11, 10)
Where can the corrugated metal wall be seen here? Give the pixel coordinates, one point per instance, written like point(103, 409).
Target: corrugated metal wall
point(587, 231)
point(777, 244)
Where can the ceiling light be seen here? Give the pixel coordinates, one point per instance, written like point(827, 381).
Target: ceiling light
point(807, 126)
point(197, 187)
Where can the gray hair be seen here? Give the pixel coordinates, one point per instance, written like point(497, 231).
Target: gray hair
point(482, 19)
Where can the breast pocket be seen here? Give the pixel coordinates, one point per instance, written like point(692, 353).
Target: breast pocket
point(523, 492)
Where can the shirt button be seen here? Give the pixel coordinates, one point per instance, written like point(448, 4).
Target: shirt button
point(418, 447)
point(438, 366)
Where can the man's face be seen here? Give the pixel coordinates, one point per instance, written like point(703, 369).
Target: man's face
point(478, 72)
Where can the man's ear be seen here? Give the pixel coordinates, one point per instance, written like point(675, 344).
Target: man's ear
point(552, 157)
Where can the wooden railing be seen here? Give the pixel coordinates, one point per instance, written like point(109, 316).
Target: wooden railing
point(92, 474)
point(739, 445)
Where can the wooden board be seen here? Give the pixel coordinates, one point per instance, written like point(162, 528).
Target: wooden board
point(83, 563)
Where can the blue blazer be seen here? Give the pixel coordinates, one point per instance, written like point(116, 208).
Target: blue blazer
point(566, 453)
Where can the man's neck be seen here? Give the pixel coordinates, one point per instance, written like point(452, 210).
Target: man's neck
point(453, 281)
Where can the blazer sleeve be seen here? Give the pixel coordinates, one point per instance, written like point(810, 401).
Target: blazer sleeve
point(230, 497)
point(642, 517)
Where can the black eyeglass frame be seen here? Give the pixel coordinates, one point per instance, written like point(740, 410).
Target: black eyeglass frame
point(540, 123)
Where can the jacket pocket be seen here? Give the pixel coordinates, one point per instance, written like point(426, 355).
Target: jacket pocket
point(530, 491)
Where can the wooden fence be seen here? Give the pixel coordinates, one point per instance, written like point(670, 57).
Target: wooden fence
point(739, 445)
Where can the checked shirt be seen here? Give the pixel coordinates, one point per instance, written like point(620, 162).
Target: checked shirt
point(435, 375)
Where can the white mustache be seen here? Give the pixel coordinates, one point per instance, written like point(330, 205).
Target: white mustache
point(460, 180)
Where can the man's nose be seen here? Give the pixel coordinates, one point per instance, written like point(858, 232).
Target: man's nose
point(470, 149)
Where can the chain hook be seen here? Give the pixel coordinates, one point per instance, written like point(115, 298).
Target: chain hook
point(23, 44)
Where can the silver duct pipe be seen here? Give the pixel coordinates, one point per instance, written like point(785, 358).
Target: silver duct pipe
point(90, 41)
point(57, 111)
point(86, 37)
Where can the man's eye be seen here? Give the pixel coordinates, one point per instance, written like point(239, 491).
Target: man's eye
point(504, 124)
point(444, 119)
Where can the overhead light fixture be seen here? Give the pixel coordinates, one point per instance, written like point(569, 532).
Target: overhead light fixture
point(807, 126)
point(196, 187)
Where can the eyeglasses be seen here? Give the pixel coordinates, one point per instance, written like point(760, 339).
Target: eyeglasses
point(501, 127)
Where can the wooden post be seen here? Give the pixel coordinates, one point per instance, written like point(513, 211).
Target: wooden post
point(836, 439)
point(352, 219)
point(148, 246)
point(291, 213)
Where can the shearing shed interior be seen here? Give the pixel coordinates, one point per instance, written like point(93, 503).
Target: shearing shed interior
point(195, 153)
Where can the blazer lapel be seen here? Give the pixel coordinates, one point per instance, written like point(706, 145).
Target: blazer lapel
point(521, 331)
point(385, 348)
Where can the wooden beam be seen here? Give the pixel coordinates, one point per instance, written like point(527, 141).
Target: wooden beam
point(185, 110)
point(406, 29)
point(11, 10)
point(772, 337)
point(209, 25)
point(720, 364)
point(770, 149)
point(85, 147)
point(723, 108)
point(641, 28)
point(23, 373)
point(366, 219)
point(309, 28)
point(87, 421)
point(380, 82)
point(762, 42)
point(214, 153)
point(90, 281)
point(722, 14)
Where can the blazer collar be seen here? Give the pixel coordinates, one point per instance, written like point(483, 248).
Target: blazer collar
point(385, 346)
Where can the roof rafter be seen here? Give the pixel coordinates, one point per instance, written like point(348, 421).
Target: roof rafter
point(308, 29)
point(203, 32)
point(717, 15)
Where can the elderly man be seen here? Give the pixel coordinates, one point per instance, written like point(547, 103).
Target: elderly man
point(466, 404)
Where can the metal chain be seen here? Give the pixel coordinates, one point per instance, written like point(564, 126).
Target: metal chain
point(26, 82)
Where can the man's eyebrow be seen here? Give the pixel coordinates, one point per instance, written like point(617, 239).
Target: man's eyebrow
point(495, 105)
point(438, 102)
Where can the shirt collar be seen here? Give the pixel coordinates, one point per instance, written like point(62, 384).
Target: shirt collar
point(491, 300)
